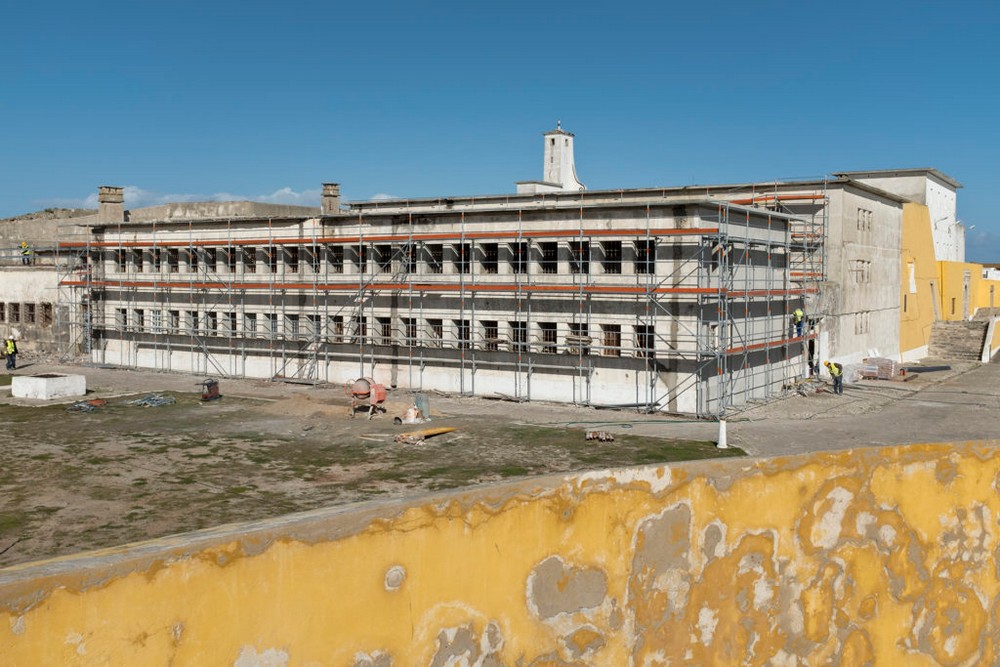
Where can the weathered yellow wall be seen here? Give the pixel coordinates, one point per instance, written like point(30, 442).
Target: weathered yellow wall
point(916, 299)
point(884, 556)
point(952, 282)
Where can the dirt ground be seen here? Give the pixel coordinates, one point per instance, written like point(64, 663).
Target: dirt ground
point(73, 481)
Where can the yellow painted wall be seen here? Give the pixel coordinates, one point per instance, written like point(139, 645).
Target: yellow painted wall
point(881, 556)
point(952, 280)
point(918, 275)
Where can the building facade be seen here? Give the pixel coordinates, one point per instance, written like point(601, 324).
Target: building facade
point(626, 298)
point(673, 299)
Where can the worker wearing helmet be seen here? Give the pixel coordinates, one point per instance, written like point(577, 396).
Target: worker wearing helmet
point(797, 319)
point(837, 373)
point(25, 253)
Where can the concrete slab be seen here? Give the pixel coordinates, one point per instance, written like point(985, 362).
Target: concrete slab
point(47, 386)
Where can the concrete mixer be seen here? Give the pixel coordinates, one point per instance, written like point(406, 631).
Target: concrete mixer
point(365, 392)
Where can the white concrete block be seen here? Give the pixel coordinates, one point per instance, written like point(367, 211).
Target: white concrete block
point(48, 386)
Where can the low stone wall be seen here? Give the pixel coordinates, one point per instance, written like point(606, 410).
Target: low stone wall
point(872, 556)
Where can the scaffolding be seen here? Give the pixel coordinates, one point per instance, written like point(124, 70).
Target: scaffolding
point(701, 320)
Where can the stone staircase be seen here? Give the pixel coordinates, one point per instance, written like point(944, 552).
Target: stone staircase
point(957, 340)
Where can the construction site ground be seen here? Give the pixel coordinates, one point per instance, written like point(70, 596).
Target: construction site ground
point(75, 481)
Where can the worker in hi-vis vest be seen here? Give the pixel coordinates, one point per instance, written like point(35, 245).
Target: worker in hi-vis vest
point(25, 253)
point(797, 318)
point(837, 373)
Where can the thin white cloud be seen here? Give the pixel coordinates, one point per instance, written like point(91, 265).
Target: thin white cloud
point(382, 196)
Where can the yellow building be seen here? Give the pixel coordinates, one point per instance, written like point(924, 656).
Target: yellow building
point(931, 290)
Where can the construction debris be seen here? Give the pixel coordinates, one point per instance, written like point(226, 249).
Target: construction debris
point(414, 437)
point(210, 390)
point(153, 401)
point(413, 415)
point(87, 406)
point(602, 436)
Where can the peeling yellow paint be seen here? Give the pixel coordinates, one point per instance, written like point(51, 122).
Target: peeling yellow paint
point(882, 556)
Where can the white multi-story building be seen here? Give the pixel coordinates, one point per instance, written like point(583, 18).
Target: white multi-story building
point(674, 299)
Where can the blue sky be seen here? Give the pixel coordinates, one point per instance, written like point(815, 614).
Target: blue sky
point(258, 100)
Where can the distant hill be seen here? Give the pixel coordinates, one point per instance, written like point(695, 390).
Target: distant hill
point(51, 214)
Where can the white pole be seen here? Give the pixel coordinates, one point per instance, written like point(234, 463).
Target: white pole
point(722, 444)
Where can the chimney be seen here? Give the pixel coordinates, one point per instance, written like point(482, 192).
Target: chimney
point(331, 199)
point(110, 204)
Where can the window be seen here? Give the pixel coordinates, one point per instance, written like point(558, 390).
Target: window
point(518, 336)
point(121, 317)
point(139, 319)
point(271, 324)
point(462, 334)
point(135, 258)
point(549, 337)
point(550, 256)
point(463, 255)
point(519, 257)
point(46, 314)
point(491, 257)
point(174, 320)
point(383, 257)
point(409, 258)
point(3, 312)
point(211, 259)
point(645, 256)
point(249, 259)
point(612, 256)
point(121, 261)
point(385, 330)
point(335, 255)
point(29, 313)
point(272, 259)
point(192, 257)
point(864, 220)
point(156, 320)
point(435, 258)
point(292, 259)
point(230, 324)
point(645, 341)
point(862, 322)
point(491, 335)
point(212, 323)
point(360, 257)
point(435, 332)
point(231, 259)
point(952, 305)
point(336, 328)
point(612, 343)
point(313, 327)
point(192, 321)
point(862, 270)
point(578, 340)
point(360, 332)
point(250, 324)
point(409, 331)
point(156, 255)
point(173, 260)
point(292, 325)
point(313, 257)
point(579, 256)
